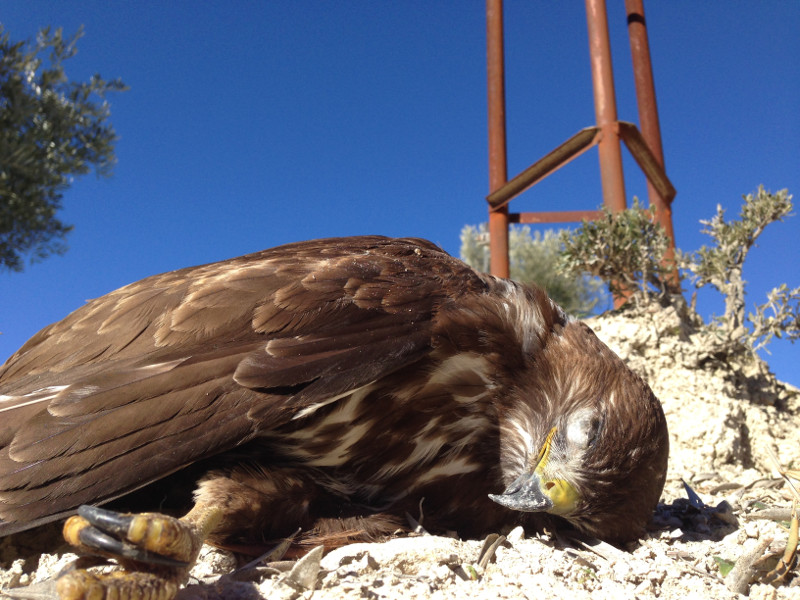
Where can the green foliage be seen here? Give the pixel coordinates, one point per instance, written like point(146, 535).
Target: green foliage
point(721, 266)
point(725, 566)
point(778, 317)
point(51, 129)
point(534, 258)
point(475, 246)
point(625, 249)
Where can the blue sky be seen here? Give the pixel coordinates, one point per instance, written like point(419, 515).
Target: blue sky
point(251, 124)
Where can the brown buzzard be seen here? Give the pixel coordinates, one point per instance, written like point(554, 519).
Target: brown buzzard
point(333, 385)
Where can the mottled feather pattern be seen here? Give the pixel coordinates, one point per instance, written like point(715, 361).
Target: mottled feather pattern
point(347, 378)
point(145, 349)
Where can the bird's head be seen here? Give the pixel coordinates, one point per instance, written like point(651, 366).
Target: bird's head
point(583, 438)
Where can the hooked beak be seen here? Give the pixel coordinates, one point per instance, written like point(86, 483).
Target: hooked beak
point(540, 491)
point(524, 494)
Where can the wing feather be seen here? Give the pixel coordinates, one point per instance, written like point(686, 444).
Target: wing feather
point(184, 365)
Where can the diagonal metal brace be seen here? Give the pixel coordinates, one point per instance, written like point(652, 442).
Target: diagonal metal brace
point(573, 147)
point(646, 160)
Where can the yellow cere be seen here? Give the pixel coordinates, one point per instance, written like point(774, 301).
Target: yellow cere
point(562, 493)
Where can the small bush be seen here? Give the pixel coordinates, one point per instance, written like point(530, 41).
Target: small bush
point(721, 264)
point(626, 250)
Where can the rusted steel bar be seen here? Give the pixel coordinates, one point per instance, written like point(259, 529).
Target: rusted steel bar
point(573, 147)
point(643, 78)
point(605, 106)
point(647, 161)
point(498, 243)
point(498, 170)
point(648, 120)
point(564, 216)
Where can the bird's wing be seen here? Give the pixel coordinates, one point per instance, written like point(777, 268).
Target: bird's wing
point(181, 366)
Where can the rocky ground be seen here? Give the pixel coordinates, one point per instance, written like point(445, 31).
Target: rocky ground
point(723, 505)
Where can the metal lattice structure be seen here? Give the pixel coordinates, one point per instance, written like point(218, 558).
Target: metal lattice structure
point(606, 134)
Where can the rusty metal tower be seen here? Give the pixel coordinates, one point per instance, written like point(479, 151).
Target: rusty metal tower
point(645, 146)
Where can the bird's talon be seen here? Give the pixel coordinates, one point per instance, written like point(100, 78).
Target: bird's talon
point(155, 552)
point(84, 585)
point(148, 537)
point(99, 540)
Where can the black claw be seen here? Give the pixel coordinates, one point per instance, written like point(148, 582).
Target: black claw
point(98, 540)
point(106, 520)
point(94, 538)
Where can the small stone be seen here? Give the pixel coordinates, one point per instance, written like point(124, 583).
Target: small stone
point(676, 534)
point(442, 573)
point(515, 535)
point(305, 571)
point(13, 577)
point(751, 529)
point(646, 587)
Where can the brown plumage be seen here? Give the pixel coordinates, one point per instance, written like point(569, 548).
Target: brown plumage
point(332, 384)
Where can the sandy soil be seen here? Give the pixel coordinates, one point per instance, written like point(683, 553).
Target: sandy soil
point(725, 418)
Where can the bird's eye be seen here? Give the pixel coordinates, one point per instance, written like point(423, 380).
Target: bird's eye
point(584, 429)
